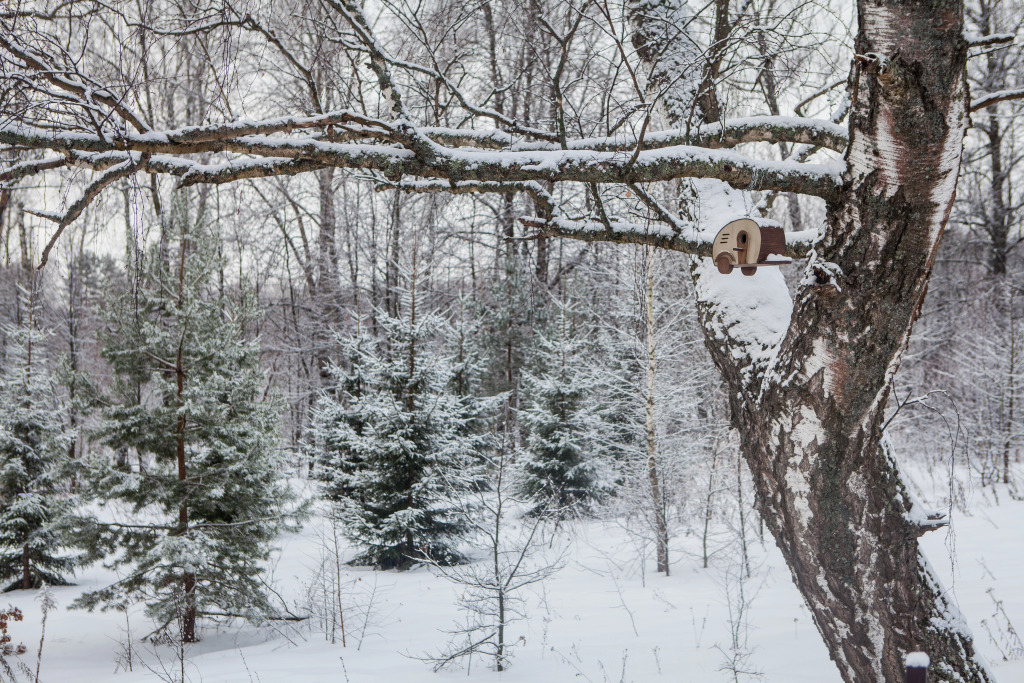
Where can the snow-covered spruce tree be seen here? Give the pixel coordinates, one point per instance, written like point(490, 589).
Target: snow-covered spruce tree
point(388, 435)
point(509, 310)
point(35, 507)
point(485, 414)
point(564, 464)
point(206, 494)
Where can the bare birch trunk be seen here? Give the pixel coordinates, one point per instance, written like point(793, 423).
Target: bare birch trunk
point(327, 292)
point(653, 478)
point(828, 487)
point(810, 421)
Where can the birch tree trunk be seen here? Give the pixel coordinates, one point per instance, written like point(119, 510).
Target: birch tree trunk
point(653, 478)
point(828, 487)
point(810, 410)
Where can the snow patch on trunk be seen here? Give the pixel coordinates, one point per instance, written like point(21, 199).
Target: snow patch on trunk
point(752, 312)
point(917, 660)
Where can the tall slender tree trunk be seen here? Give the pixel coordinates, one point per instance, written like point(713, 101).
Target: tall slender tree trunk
point(1011, 391)
point(76, 304)
point(998, 214)
point(500, 582)
point(5, 204)
point(653, 478)
point(741, 511)
point(394, 252)
point(500, 658)
point(328, 295)
point(709, 505)
point(188, 607)
point(26, 569)
point(23, 243)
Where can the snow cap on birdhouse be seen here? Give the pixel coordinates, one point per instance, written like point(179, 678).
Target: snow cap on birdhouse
point(746, 245)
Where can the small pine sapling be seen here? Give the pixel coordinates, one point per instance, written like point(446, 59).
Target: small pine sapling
point(510, 559)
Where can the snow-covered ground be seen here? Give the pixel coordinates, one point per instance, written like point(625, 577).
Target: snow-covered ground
point(602, 617)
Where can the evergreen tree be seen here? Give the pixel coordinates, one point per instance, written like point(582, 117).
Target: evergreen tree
point(506, 314)
point(206, 490)
point(388, 439)
point(468, 376)
point(564, 469)
point(35, 508)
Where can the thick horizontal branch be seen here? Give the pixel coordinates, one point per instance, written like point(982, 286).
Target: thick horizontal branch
point(242, 169)
point(280, 156)
point(28, 168)
point(989, 99)
point(346, 125)
point(645, 167)
point(773, 129)
point(368, 127)
point(654, 233)
point(723, 135)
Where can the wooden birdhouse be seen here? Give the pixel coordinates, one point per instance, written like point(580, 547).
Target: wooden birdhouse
point(746, 245)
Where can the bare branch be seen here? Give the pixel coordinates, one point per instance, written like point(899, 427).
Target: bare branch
point(540, 196)
point(48, 72)
point(994, 39)
point(122, 170)
point(651, 233)
point(816, 94)
point(995, 98)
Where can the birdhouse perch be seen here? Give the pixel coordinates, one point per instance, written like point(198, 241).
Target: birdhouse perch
point(746, 245)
